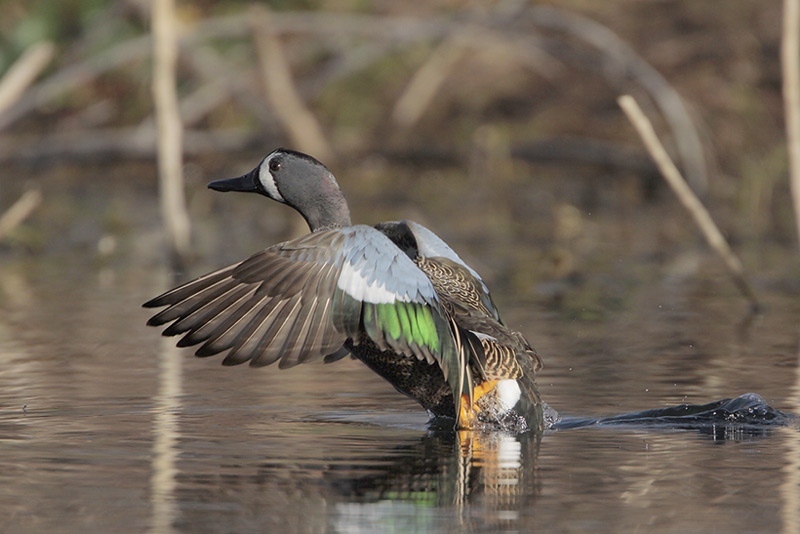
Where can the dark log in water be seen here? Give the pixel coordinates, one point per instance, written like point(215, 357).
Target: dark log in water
point(748, 413)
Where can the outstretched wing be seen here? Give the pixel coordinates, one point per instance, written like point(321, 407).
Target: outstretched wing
point(302, 299)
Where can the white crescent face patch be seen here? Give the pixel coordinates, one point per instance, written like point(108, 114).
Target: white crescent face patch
point(268, 181)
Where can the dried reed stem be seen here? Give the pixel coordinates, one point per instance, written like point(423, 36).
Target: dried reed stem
point(23, 72)
point(790, 58)
point(304, 130)
point(19, 211)
point(170, 156)
point(74, 76)
point(105, 144)
point(686, 196)
point(425, 83)
point(622, 63)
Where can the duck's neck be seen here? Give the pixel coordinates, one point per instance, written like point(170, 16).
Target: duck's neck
point(327, 211)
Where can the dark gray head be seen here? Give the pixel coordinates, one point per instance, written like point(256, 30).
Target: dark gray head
point(298, 180)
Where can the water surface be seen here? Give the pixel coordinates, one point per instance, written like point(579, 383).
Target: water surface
point(106, 427)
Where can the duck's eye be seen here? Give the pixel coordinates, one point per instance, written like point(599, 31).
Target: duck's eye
point(274, 165)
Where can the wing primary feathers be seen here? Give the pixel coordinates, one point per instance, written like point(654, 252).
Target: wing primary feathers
point(311, 348)
point(194, 319)
point(296, 348)
point(319, 320)
point(188, 289)
point(202, 323)
point(268, 348)
point(258, 325)
point(293, 343)
point(296, 280)
point(192, 302)
point(223, 336)
point(323, 336)
point(281, 272)
point(238, 327)
point(276, 335)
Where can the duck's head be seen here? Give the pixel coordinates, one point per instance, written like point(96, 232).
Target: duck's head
point(298, 180)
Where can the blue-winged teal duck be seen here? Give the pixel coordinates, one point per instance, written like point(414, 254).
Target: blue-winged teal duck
point(394, 296)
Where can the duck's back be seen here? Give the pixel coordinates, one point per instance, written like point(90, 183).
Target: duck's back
point(501, 362)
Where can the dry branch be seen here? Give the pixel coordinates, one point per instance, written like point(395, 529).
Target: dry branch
point(625, 62)
point(385, 28)
point(790, 58)
point(105, 144)
point(561, 150)
point(19, 211)
point(428, 79)
point(686, 196)
point(357, 58)
point(212, 67)
point(304, 130)
point(198, 104)
point(202, 101)
point(170, 156)
point(74, 76)
point(425, 83)
point(586, 151)
point(23, 72)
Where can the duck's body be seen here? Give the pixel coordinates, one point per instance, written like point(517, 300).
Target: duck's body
point(395, 296)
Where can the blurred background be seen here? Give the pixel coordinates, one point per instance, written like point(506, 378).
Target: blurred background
point(504, 113)
point(493, 123)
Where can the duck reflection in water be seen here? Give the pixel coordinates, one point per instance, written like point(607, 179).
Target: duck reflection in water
point(494, 472)
point(462, 478)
